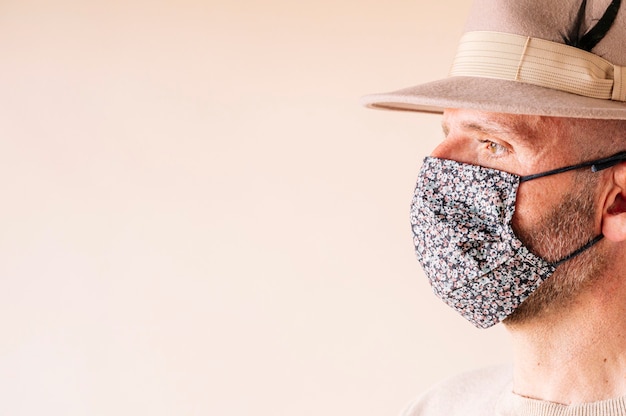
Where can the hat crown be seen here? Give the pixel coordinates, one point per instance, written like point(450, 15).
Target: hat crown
point(562, 58)
point(551, 20)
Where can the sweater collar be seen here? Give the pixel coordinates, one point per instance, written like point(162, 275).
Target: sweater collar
point(512, 404)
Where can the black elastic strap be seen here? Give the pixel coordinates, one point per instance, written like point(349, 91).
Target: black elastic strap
point(596, 165)
point(580, 250)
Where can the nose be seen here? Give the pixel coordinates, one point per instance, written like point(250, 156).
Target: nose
point(443, 150)
point(453, 148)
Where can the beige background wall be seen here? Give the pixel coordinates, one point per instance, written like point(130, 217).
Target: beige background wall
point(198, 218)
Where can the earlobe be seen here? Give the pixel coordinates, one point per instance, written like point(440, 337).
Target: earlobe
point(614, 216)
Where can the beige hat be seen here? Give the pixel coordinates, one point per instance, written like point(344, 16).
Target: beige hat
point(548, 57)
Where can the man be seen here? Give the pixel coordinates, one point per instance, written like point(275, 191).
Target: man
point(519, 215)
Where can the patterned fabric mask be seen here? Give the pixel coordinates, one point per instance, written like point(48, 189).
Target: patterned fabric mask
point(461, 218)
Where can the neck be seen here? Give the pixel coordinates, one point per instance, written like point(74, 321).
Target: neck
point(574, 355)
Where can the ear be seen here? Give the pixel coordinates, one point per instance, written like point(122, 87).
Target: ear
point(614, 213)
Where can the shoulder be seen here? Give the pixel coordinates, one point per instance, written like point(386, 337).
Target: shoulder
point(475, 392)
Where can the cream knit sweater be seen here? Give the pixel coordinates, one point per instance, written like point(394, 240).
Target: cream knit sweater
point(488, 392)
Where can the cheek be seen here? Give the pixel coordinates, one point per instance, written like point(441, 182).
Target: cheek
point(534, 199)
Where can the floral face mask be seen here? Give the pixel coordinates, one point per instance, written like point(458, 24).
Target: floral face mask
point(461, 217)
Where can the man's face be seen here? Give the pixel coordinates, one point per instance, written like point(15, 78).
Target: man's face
point(554, 215)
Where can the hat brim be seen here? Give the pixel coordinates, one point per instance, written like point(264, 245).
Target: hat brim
point(495, 95)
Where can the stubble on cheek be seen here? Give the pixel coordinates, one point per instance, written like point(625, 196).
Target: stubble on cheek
point(563, 229)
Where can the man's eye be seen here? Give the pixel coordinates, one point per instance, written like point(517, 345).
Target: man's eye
point(494, 148)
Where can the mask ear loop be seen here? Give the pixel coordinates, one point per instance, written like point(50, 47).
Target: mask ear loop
point(580, 250)
point(596, 166)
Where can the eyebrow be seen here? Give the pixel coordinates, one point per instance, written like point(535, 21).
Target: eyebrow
point(518, 129)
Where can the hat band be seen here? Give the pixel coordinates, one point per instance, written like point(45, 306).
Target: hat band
point(539, 62)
